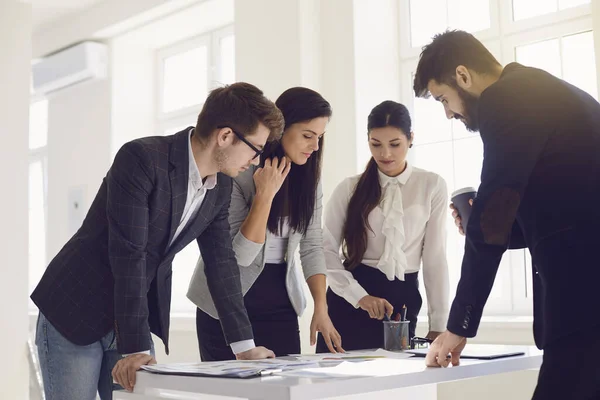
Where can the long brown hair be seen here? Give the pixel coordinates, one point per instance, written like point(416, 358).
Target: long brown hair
point(367, 193)
point(296, 197)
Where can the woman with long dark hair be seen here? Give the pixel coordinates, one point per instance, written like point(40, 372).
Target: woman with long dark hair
point(276, 209)
point(386, 221)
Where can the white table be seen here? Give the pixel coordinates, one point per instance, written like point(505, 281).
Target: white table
point(410, 378)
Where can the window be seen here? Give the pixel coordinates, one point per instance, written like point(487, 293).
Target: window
point(187, 73)
point(185, 79)
point(523, 9)
point(430, 17)
point(570, 57)
point(38, 188)
point(561, 43)
point(227, 59)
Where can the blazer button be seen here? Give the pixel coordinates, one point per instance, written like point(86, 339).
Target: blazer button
point(465, 325)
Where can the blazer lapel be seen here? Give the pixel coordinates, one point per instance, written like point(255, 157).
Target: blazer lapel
point(195, 227)
point(179, 175)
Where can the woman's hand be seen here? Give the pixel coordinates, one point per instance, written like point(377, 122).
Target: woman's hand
point(270, 177)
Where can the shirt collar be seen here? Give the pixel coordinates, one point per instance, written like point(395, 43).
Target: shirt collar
point(194, 173)
point(384, 180)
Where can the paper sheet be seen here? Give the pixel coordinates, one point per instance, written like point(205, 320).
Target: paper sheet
point(361, 355)
point(346, 369)
point(311, 363)
point(234, 369)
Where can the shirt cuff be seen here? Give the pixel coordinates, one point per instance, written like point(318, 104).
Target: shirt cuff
point(242, 346)
point(354, 293)
point(147, 352)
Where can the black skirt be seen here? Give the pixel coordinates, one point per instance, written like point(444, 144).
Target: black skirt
point(357, 329)
point(274, 320)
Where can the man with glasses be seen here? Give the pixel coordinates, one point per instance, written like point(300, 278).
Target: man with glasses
point(109, 287)
point(257, 152)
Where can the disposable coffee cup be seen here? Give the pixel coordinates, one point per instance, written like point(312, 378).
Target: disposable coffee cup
point(460, 198)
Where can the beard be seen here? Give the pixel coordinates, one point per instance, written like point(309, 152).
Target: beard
point(470, 115)
point(222, 160)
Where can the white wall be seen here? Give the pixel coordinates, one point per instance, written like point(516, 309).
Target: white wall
point(133, 86)
point(338, 86)
point(377, 63)
point(15, 42)
point(101, 21)
point(295, 44)
point(79, 125)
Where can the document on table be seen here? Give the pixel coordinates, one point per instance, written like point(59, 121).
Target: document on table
point(352, 356)
point(256, 368)
point(229, 369)
point(347, 369)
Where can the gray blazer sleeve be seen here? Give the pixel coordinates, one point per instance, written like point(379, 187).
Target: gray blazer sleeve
point(312, 256)
point(242, 195)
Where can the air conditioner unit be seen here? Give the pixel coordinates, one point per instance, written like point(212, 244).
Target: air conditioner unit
point(82, 62)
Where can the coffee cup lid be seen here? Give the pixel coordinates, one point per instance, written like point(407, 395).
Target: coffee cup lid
point(463, 191)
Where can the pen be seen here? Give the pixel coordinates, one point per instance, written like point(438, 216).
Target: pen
point(404, 312)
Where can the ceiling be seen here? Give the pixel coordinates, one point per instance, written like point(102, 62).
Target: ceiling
point(47, 11)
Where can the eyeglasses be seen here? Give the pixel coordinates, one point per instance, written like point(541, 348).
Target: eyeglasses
point(243, 139)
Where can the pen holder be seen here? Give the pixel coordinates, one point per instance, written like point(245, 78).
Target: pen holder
point(395, 335)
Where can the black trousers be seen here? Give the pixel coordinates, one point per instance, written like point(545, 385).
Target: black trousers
point(357, 329)
point(570, 369)
point(274, 320)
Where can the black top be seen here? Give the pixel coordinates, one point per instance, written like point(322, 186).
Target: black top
point(541, 168)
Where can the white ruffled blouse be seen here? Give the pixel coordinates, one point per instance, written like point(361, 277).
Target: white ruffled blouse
point(409, 229)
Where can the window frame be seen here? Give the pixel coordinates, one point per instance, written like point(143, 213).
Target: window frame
point(510, 26)
point(407, 51)
point(188, 115)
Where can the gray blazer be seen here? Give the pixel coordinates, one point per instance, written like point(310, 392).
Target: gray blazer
point(250, 255)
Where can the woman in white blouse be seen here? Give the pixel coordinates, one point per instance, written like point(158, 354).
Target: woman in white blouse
point(276, 210)
point(386, 222)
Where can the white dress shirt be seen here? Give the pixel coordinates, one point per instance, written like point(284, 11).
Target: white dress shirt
point(196, 191)
point(409, 228)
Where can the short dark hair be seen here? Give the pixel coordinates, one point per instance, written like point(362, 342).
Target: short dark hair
point(240, 106)
point(297, 195)
point(440, 58)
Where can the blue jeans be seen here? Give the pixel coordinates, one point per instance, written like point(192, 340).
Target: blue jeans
point(72, 372)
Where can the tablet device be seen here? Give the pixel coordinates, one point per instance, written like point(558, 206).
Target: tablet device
point(476, 353)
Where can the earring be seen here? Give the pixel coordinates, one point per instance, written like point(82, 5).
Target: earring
point(410, 146)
